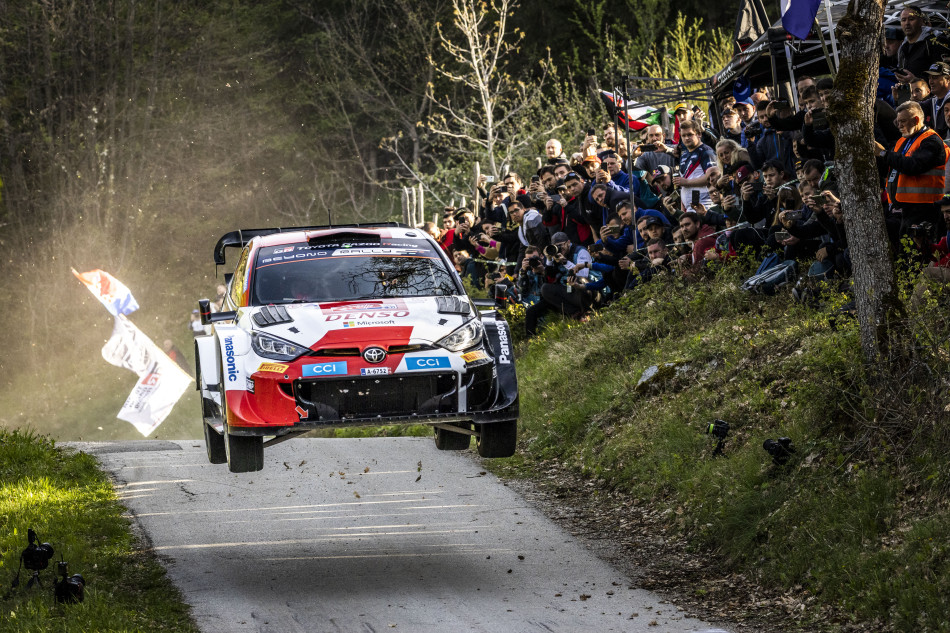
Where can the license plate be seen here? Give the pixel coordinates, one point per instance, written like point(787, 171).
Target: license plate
point(374, 371)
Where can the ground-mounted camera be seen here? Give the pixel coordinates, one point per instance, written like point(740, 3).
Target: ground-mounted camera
point(35, 557)
point(68, 589)
point(780, 450)
point(719, 429)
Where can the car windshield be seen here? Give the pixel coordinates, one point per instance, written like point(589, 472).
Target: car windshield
point(344, 268)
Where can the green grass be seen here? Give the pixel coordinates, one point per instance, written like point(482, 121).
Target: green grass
point(859, 518)
point(71, 505)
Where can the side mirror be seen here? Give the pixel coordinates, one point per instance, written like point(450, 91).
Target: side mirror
point(501, 292)
point(208, 317)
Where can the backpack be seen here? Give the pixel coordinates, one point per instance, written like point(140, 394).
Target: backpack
point(766, 281)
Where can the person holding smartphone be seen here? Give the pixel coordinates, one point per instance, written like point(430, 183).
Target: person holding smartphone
point(694, 164)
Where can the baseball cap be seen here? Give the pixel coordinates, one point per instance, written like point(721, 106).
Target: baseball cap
point(559, 238)
point(727, 111)
point(661, 170)
point(939, 68)
point(893, 33)
point(652, 220)
point(747, 101)
point(680, 106)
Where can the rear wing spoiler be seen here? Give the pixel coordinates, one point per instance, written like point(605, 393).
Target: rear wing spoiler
point(239, 239)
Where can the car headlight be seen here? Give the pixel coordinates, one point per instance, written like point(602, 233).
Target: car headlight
point(275, 348)
point(469, 335)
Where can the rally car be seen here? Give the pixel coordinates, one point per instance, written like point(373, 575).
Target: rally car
point(358, 324)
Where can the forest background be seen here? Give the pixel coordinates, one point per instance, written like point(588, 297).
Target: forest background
point(134, 134)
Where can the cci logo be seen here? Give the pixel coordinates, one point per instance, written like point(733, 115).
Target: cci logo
point(428, 362)
point(325, 369)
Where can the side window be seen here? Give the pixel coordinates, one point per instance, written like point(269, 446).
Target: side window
point(238, 282)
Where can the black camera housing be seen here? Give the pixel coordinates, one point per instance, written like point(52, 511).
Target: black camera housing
point(36, 557)
point(780, 450)
point(68, 589)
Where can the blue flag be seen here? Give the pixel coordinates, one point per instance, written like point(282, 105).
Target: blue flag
point(798, 16)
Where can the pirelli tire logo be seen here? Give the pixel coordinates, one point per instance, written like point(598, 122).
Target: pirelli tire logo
point(229, 359)
point(504, 346)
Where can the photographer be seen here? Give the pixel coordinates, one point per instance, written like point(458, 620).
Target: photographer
point(771, 145)
point(565, 274)
point(938, 77)
point(531, 276)
point(656, 262)
point(530, 231)
point(938, 271)
point(699, 237)
point(565, 213)
point(654, 152)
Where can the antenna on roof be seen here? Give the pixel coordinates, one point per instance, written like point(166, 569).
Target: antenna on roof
point(329, 219)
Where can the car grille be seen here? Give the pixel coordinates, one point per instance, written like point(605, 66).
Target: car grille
point(345, 398)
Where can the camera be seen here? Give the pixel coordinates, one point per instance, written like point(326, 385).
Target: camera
point(922, 230)
point(533, 262)
point(648, 147)
point(551, 251)
point(719, 429)
point(36, 557)
point(489, 179)
point(68, 589)
point(780, 450)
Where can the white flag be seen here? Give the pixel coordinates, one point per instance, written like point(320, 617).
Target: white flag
point(155, 394)
point(161, 381)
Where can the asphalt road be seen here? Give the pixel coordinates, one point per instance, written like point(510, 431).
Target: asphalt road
point(368, 535)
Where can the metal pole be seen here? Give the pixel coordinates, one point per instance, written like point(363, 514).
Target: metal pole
point(791, 74)
point(617, 124)
point(475, 195)
point(633, 204)
point(831, 31)
point(420, 213)
point(406, 205)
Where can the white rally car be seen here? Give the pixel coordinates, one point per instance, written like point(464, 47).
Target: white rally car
point(350, 325)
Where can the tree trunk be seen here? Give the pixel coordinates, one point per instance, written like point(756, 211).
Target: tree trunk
point(852, 121)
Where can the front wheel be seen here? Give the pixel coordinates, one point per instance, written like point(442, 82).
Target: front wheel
point(214, 443)
point(245, 453)
point(498, 439)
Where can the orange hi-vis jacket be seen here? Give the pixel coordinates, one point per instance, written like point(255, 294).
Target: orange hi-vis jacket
point(925, 187)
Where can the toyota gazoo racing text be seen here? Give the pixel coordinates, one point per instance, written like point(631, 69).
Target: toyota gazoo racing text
point(350, 325)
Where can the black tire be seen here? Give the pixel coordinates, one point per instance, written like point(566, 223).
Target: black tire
point(245, 453)
point(214, 441)
point(449, 441)
point(498, 439)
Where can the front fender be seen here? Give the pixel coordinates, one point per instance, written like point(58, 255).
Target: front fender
point(233, 345)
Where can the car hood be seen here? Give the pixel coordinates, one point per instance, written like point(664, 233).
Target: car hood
point(393, 321)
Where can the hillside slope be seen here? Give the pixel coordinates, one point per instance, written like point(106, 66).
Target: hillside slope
point(854, 525)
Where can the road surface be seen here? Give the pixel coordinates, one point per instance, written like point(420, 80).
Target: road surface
point(367, 535)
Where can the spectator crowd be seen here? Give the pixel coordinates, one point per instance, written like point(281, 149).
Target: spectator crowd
point(597, 222)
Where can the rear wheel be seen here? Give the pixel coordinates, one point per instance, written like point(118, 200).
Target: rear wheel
point(450, 441)
point(498, 439)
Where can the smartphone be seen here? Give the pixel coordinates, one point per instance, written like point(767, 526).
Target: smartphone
point(695, 198)
point(757, 187)
point(590, 131)
point(782, 235)
point(793, 216)
point(818, 118)
point(648, 147)
point(818, 198)
point(503, 189)
point(535, 178)
point(781, 104)
point(489, 179)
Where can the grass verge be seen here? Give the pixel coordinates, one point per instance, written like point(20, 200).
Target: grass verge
point(71, 505)
point(856, 521)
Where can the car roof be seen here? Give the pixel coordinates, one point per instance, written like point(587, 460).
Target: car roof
point(291, 237)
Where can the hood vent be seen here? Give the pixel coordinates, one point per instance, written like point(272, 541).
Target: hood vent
point(272, 315)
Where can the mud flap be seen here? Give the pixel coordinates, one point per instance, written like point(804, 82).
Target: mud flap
point(502, 348)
